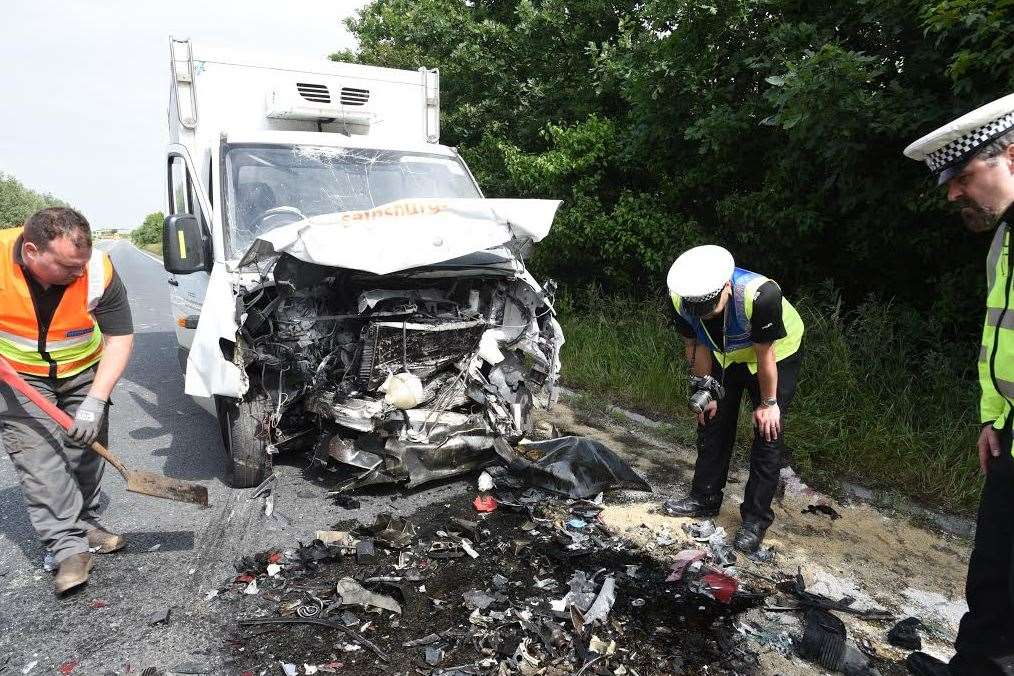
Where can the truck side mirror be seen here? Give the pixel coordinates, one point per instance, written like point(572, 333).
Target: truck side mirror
point(183, 247)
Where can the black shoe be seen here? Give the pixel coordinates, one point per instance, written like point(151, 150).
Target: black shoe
point(692, 506)
point(748, 537)
point(921, 664)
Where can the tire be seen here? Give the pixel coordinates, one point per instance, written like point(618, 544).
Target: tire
point(245, 445)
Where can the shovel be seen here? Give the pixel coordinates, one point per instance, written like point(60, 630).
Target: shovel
point(145, 483)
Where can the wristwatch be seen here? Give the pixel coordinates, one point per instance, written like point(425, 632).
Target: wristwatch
point(768, 403)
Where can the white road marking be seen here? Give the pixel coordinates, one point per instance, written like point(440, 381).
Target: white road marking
point(145, 253)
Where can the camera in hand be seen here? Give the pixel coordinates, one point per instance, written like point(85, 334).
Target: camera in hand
point(704, 390)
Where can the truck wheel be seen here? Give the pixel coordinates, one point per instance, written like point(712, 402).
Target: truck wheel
point(244, 440)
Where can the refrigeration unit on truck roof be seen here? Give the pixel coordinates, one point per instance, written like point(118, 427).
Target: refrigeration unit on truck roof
point(215, 91)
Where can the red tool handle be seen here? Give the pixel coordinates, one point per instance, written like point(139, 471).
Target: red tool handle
point(14, 379)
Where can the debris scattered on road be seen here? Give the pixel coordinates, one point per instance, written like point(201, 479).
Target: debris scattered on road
point(159, 616)
point(352, 593)
point(821, 508)
point(905, 634)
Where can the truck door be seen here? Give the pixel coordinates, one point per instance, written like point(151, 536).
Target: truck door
point(186, 292)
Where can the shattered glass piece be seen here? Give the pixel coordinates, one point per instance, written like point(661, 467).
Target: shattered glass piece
point(434, 656)
point(499, 581)
point(477, 600)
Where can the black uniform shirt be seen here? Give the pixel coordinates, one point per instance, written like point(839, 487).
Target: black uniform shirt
point(766, 324)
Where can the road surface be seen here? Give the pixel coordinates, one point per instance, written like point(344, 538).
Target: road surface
point(176, 552)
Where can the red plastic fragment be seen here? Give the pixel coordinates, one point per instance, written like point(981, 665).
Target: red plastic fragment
point(98, 603)
point(68, 666)
point(274, 557)
point(683, 560)
point(484, 503)
point(722, 586)
point(245, 578)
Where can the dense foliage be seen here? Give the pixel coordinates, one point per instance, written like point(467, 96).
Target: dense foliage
point(18, 202)
point(774, 127)
point(150, 231)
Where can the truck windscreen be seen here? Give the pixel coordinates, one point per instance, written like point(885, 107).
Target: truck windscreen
point(269, 186)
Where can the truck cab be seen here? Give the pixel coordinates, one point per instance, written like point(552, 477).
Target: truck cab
point(310, 209)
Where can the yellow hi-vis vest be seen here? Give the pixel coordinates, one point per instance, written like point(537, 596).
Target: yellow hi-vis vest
point(996, 357)
point(72, 341)
point(738, 344)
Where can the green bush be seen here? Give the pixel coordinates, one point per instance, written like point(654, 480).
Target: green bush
point(150, 231)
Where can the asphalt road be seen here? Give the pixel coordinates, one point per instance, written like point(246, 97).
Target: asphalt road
point(177, 553)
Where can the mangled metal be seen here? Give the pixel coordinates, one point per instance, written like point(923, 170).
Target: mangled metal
point(406, 374)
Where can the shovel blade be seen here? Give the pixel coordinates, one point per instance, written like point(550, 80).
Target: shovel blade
point(159, 486)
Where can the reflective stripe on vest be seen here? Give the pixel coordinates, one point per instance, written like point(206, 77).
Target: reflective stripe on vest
point(738, 344)
point(996, 354)
point(73, 341)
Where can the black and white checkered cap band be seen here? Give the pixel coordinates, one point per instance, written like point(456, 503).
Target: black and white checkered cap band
point(962, 149)
point(703, 299)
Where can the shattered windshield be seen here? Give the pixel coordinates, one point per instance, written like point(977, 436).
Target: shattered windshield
point(270, 186)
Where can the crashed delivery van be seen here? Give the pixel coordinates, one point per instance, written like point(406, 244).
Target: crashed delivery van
point(337, 281)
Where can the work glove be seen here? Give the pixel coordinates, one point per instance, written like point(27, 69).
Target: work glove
point(87, 421)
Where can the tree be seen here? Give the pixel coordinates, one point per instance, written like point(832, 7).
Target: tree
point(18, 202)
point(150, 231)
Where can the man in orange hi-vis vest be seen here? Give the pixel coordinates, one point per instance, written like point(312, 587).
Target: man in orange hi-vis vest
point(65, 326)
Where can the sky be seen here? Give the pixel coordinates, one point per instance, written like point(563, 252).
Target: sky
point(85, 87)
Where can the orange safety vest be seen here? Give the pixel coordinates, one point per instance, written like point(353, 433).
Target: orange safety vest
point(73, 341)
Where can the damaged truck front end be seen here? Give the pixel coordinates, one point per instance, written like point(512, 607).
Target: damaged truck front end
point(353, 335)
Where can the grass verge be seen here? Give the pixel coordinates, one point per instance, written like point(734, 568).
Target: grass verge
point(155, 249)
point(882, 401)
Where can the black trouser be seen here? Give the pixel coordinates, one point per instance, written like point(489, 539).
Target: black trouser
point(716, 438)
point(987, 629)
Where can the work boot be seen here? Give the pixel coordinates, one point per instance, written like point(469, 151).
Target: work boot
point(104, 542)
point(921, 664)
point(749, 537)
point(693, 506)
point(73, 571)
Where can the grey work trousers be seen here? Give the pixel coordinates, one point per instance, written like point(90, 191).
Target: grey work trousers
point(59, 479)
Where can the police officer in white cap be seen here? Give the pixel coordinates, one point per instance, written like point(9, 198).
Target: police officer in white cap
point(973, 156)
point(740, 334)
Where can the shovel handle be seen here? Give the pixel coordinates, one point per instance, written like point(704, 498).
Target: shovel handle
point(14, 379)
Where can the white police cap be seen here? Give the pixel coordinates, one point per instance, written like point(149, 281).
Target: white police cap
point(948, 149)
point(699, 274)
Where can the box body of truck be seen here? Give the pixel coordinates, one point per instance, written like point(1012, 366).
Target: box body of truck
point(337, 280)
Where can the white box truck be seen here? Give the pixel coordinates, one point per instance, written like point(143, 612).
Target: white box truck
point(337, 280)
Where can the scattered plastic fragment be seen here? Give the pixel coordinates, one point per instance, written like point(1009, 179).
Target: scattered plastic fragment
point(98, 603)
point(823, 640)
point(485, 482)
point(597, 645)
point(211, 594)
point(27, 669)
point(721, 585)
point(820, 508)
point(251, 588)
point(905, 634)
point(273, 569)
point(577, 524)
point(309, 668)
point(290, 669)
point(332, 537)
point(599, 610)
point(484, 503)
point(364, 551)
point(392, 530)
point(684, 559)
point(467, 546)
point(67, 667)
point(352, 593)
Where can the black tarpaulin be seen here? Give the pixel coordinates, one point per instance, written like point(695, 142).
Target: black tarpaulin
point(577, 467)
